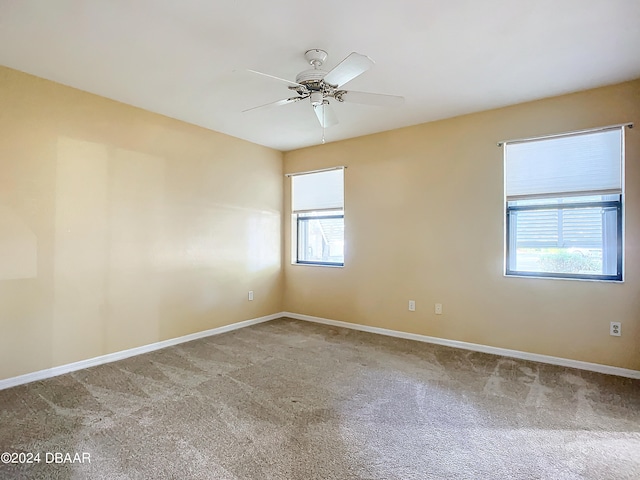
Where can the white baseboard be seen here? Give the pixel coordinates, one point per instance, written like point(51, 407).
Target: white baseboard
point(112, 357)
point(535, 357)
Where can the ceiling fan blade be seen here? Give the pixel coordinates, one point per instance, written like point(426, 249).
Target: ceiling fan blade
point(326, 115)
point(276, 78)
point(355, 64)
point(371, 98)
point(277, 103)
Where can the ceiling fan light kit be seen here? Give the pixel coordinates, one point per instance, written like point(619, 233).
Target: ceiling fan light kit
point(319, 86)
point(316, 98)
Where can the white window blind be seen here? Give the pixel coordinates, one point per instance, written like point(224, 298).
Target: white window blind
point(585, 163)
point(318, 191)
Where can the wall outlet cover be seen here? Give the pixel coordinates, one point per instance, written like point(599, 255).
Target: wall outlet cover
point(615, 329)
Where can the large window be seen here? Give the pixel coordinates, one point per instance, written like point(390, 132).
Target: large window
point(564, 200)
point(318, 217)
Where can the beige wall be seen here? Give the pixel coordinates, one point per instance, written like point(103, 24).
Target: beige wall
point(424, 221)
point(120, 228)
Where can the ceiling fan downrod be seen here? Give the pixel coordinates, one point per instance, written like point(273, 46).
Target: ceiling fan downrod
point(315, 57)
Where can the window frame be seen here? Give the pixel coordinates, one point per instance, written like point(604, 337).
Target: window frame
point(321, 207)
point(617, 204)
point(301, 218)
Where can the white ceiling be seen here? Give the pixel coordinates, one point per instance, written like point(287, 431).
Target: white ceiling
point(187, 59)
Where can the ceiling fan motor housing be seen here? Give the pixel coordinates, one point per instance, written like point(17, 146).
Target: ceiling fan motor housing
point(313, 75)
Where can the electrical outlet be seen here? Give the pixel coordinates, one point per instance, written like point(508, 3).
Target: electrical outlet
point(438, 309)
point(615, 329)
point(250, 295)
point(412, 305)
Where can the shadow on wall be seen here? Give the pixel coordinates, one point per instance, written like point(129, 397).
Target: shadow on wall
point(18, 247)
point(131, 236)
point(104, 248)
point(106, 208)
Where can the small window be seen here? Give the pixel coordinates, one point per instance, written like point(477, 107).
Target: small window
point(564, 206)
point(318, 214)
point(321, 238)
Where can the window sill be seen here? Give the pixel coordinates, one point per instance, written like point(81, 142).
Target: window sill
point(542, 277)
point(316, 265)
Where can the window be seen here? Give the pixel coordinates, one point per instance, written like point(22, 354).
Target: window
point(564, 200)
point(318, 214)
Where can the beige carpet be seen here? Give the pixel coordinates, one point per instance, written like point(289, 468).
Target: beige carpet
point(293, 400)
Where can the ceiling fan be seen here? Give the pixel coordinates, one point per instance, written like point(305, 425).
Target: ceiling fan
point(319, 86)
